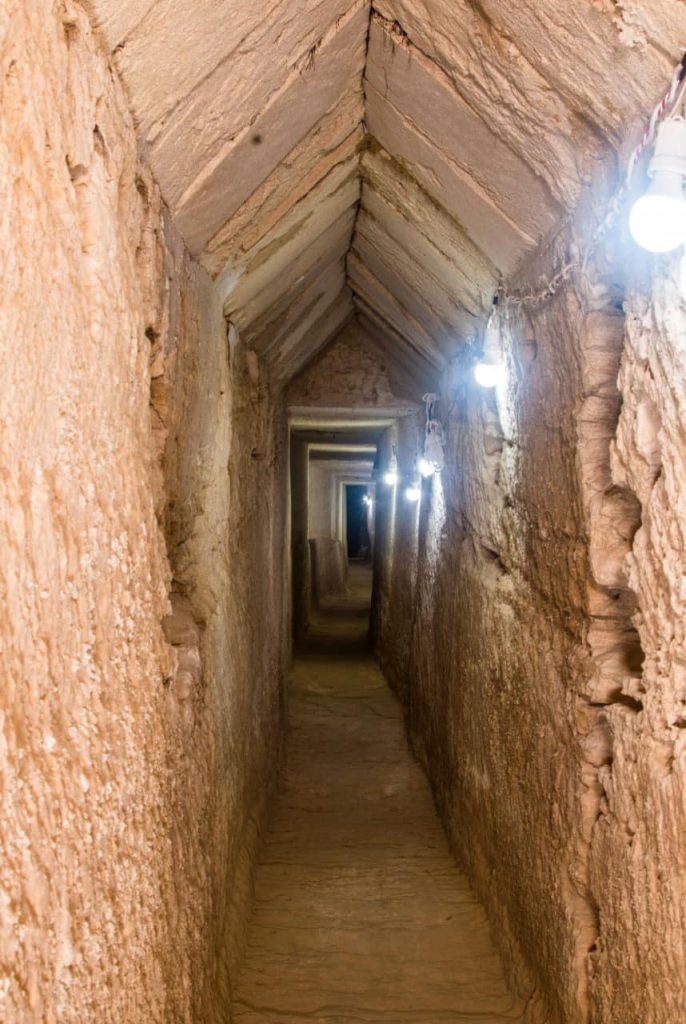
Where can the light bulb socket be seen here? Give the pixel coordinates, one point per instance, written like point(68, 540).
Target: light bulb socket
point(670, 149)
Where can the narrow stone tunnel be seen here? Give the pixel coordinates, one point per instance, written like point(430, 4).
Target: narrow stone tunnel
point(343, 489)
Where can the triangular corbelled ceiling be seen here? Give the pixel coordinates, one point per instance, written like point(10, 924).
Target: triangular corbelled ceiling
point(327, 159)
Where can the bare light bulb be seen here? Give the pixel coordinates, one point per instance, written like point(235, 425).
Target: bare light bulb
point(489, 375)
point(414, 492)
point(490, 370)
point(426, 468)
point(391, 477)
point(658, 218)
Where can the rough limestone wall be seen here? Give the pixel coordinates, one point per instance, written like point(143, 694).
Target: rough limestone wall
point(396, 549)
point(221, 442)
point(554, 750)
point(132, 770)
point(638, 858)
point(351, 372)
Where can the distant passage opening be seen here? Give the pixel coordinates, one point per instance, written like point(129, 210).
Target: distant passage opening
point(333, 507)
point(357, 529)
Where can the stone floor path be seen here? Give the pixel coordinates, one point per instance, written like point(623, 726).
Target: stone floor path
point(361, 914)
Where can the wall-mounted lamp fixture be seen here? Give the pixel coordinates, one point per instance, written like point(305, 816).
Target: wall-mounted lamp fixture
point(490, 370)
point(391, 476)
point(658, 218)
point(433, 459)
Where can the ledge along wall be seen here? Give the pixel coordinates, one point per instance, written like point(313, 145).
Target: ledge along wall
point(141, 713)
point(530, 617)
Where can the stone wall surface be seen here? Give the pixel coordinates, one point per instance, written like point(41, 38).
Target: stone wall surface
point(134, 729)
point(352, 372)
point(323, 500)
point(529, 615)
point(637, 857)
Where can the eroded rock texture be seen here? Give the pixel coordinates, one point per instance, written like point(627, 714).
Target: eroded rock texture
point(332, 174)
point(138, 734)
point(526, 618)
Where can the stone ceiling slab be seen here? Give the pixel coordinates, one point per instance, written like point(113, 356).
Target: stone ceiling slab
point(334, 141)
point(210, 176)
point(449, 291)
point(281, 318)
point(440, 239)
point(415, 370)
point(504, 243)
point(420, 294)
point(258, 290)
point(184, 63)
point(453, 134)
point(291, 358)
point(606, 40)
point(281, 265)
point(322, 294)
point(424, 96)
point(278, 318)
point(499, 84)
point(391, 310)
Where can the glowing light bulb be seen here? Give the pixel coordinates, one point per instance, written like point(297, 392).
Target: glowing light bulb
point(426, 468)
point(658, 219)
point(490, 370)
point(413, 492)
point(489, 375)
point(391, 477)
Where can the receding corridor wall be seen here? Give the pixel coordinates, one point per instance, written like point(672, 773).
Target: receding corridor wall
point(135, 766)
point(530, 615)
point(351, 383)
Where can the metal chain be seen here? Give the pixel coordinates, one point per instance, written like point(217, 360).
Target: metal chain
point(552, 285)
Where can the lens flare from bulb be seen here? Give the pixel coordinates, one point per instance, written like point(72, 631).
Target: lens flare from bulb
point(489, 375)
point(391, 477)
point(426, 468)
point(413, 493)
point(658, 220)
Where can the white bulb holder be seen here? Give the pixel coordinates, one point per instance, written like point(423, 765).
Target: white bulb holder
point(492, 334)
point(490, 369)
point(658, 218)
point(433, 459)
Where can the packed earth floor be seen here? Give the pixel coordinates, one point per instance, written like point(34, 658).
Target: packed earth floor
point(361, 914)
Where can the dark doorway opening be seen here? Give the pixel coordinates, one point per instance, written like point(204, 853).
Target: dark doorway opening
point(357, 531)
